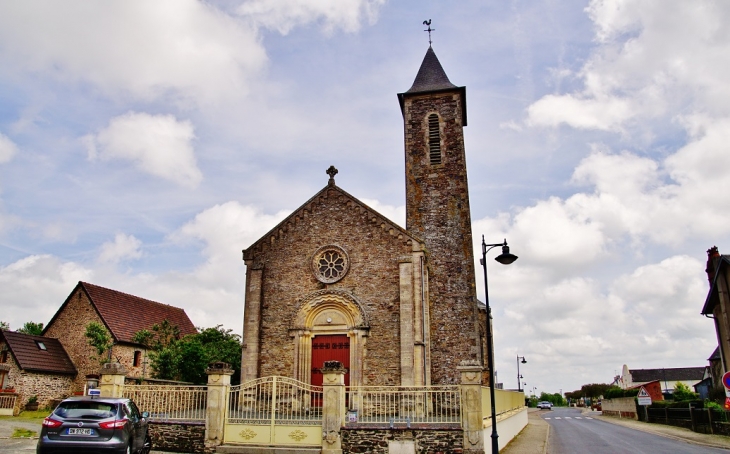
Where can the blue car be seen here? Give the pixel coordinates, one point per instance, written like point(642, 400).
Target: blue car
point(95, 425)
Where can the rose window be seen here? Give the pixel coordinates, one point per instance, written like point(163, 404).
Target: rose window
point(330, 264)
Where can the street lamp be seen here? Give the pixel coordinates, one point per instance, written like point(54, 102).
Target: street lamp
point(505, 258)
point(518, 370)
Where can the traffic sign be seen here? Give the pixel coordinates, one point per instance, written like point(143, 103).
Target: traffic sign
point(726, 383)
point(643, 397)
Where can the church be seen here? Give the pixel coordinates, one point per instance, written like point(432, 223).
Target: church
point(336, 280)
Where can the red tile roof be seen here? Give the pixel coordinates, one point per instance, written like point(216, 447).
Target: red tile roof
point(125, 314)
point(30, 357)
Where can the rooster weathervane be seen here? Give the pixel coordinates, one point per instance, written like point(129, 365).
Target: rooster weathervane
point(429, 30)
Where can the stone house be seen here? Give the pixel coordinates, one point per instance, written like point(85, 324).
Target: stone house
point(35, 366)
point(336, 280)
point(122, 315)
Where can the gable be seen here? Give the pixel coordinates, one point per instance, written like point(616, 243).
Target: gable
point(124, 314)
point(337, 203)
point(39, 354)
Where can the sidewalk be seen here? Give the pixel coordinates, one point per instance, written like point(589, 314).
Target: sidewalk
point(534, 437)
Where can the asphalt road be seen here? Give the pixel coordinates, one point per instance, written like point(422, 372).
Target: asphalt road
point(571, 432)
point(19, 445)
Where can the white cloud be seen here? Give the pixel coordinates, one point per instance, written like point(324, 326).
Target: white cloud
point(124, 247)
point(652, 59)
point(396, 214)
point(159, 145)
point(35, 287)
point(8, 149)
point(283, 15)
point(147, 49)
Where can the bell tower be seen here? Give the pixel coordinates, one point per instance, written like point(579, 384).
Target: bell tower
point(437, 211)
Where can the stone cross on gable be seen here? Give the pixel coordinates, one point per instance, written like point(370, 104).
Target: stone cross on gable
point(332, 171)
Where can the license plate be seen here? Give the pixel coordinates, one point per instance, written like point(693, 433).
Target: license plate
point(74, 431)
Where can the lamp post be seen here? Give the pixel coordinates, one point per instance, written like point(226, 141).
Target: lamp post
point(519, 377)
point(505, 258)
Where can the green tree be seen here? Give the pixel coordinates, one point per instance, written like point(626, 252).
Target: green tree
point(4, 326)
point(32, 328)
point(187, 358)
point(98, 337)
point(682, 392)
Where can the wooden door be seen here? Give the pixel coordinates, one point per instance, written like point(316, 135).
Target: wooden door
point(330, 348)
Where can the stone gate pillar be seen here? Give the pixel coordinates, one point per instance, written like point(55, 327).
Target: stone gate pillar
point(111, 382)
point(471, 406)
point(219, 385)
point(333, 406)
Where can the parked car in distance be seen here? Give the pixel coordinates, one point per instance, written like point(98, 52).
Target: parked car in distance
point(544, 405)
point(95, 425)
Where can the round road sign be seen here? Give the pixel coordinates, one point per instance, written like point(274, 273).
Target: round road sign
point(726, 380)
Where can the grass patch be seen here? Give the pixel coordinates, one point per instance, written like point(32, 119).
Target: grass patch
point(24, 433)
point(29, 416)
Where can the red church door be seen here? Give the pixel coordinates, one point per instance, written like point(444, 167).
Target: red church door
point(330, 348)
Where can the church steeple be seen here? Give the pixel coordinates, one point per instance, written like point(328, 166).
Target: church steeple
point(432, 78)
point(437, 211)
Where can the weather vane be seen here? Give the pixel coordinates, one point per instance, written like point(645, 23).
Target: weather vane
point(429, 30)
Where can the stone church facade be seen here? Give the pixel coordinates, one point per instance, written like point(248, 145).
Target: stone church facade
point(338, 280)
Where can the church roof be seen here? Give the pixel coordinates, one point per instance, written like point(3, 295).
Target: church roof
point(125, 314)
point(431, 76)
point(376, 219)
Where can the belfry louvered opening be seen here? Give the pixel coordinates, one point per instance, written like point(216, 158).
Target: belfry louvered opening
point(434, 140)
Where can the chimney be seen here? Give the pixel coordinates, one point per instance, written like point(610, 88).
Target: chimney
point(713, 255)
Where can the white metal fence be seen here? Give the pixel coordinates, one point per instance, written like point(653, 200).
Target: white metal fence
point(398, 404)
point(170, 403)
point(280, 400)
point(7, 404)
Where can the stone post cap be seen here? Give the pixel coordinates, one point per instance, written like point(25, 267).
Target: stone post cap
point(219, 367)
point(333, 367)
point(113, 369)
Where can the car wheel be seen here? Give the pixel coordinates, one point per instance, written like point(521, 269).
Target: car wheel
point(147, 446)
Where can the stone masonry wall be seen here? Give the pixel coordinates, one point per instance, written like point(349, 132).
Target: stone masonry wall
point(375, 441)
point(438, 212)
point(178, 437)
point(46, 387)
point(373, 245)
point(69, 328)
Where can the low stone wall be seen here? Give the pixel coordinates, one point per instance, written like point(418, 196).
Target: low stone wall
point(444, 440)
point(509, 425)
point(178, 436)
point(622, 407)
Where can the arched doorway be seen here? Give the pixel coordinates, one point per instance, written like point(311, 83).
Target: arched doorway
point(329, 325)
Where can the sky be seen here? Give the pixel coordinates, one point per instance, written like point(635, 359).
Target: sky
point(143, 145)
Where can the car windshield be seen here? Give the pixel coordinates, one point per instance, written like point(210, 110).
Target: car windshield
point(86, 410)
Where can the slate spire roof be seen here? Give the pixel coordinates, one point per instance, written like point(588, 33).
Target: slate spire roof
point(125, 314)
point(431, 76)
point(38, 353)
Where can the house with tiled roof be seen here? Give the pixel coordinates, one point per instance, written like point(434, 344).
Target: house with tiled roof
point(122, 315)
point(34, 366)
point(667, 377)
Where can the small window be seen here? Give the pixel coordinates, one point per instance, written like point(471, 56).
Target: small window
point(4, 356)
point(137, 357)
point(41, 345)
point(434, 140)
